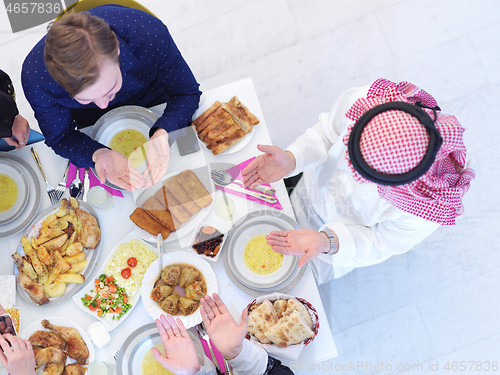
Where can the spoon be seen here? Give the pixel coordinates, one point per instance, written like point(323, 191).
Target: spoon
point(76, 186)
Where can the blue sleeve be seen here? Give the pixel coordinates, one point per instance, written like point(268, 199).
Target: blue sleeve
point(55, 121)
point(177, 78)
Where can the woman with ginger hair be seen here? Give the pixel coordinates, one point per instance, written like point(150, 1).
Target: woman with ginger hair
point(101, 59)
point(382, 171)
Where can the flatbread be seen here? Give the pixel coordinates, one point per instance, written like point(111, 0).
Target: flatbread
point(261, 319)
point(173, 186)
point(280, 307)
point(289, 330)
point(140, 218)
point(200, 122)
point(238, 116)
point(195, 189)
point(295, 305)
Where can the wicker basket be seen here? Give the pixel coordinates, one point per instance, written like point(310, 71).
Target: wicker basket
point(312, 312)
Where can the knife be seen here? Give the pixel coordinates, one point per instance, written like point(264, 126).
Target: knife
point(86, 184)
point(239, 189)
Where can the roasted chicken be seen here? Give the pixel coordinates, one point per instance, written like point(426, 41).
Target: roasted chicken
point(34, 289)
point(74, 369)
point(77, 349)
point(47, 339)
point(90, 234)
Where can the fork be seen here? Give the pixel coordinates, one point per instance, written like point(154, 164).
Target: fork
point(204, 335)
point(50, 189)
point(223, 177)
point(61, 187)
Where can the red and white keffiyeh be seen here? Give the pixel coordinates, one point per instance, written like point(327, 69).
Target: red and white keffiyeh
point(394, 142)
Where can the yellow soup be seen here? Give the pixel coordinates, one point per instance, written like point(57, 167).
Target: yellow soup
point(8, 192)
point(150, 366)
point(260, 257)
point(128, 142)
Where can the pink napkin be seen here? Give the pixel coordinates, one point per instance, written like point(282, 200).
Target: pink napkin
point(218, 356)
point(235, 172)
point(94, 181)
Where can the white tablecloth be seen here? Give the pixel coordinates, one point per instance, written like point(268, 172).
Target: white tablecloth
point(115, 224)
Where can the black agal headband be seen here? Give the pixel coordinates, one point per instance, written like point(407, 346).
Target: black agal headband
point(371, 174)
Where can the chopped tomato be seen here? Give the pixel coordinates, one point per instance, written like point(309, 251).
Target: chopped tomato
point(126, 273)
point(97, 281)
point(112, 310)
point(112, 289)
point(124, 298)
point(98, 301)
point(92, 307)
point(89, 298)
point(118, 310)
point(105, 294)
point(111, 279)
point(132, 262)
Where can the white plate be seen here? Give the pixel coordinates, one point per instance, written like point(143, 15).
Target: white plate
point(9, 168)
point(7, 291)
point(186, 228)
point(139, 343)
point(121, 118)
point(193, 237)
point(133, 300)
point(33, 202)
point(153, 274)
point(223, 98)
point(92, 255)
point(63, 322)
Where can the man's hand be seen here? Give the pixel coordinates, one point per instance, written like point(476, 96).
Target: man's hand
point(305, 242)
point(21, 131)
point(226, 335)
point(272, 166)
point(18, 359)
point(158, 157)
point(180, 354)
point(114, 167)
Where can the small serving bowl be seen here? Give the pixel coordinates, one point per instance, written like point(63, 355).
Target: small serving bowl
point(193, 238)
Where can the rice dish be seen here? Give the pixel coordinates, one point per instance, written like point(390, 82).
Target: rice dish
point(259, 256)
point(144, 255)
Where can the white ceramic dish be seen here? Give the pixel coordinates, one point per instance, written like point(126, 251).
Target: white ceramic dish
point(133, 300)
point(193, 237)
point(33, 201)
point(10, 169)
point(139, 343)
point(190, 225)
point(64, 322)
point(153, 274)
point(223, 98)
point(92, 255)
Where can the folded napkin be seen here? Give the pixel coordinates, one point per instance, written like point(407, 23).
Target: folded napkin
point(34, 138)
point(94, 181)
point(235, 172)
point(218, 356)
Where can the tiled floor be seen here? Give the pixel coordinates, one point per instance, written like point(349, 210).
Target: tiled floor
point(440, 302)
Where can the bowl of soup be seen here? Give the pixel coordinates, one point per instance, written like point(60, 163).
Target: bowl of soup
point(14, 191)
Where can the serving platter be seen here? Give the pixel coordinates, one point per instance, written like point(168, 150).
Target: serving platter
point(12, 170)
point(33, 199)
point(92, 256)
point(203, 175)
point(260, 222)
point(63, 322)
point(153, 274)
point(223, 98)
point(90, 285)
point(122, 118)
point(139, 343)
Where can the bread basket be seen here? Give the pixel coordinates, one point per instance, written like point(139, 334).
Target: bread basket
point(291, 352)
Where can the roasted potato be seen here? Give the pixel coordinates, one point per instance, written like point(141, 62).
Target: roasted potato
point(73, 203)
point(38, 266)
point(71, 278)
point(56, 243)
point(63, 211)
point(54, 289)
point(61, 224)
point(78, 267)
point(25, 266)
point(44, 255)
point(48, 220)
point(75, 258)
point(74, 249)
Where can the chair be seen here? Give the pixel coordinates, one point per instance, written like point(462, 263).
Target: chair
point(83, 5)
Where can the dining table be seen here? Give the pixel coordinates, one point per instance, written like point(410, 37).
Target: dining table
point(115, 225)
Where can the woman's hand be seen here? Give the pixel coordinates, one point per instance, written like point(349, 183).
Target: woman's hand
point(112, 166)
point(272, 166)
point(224, 332)
point(18, 359)
point(21, 131)
point(305, 242)
point(180, 354)
point(158, 156)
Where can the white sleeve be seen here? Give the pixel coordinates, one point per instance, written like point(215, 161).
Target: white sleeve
point(364, 245)
point(311, 148)
point(251, 361)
